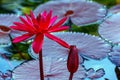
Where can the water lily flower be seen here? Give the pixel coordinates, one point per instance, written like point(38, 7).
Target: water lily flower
point(109, 30)
point(81, 12)
point(39, 27)
point(87, 45)
point(53, 70)
point(6, 20)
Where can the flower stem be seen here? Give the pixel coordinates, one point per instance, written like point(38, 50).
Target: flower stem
point(41, 65)
point(73, 61)
point(71, 76)
point(70, 24)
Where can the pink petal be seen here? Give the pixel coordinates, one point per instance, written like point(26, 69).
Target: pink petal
point(42, 23)
point(37, 43)
point(18, 28)
point(62, 28)
point(21, 27)
point(22, 38)
point(110, 29)
point(52, 21)
point(27, 24)
point(53, 70)
point(28, 18)
point(38, 18)
point(60, 41)
point(44, 13)
point(48, 19)
point(8, 19)
point(33, 18)
point(59, 23)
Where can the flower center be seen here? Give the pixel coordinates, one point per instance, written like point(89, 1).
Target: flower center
point(4, 28)
point(69, 12)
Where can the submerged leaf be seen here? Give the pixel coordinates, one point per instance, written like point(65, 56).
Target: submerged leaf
point(92, 74)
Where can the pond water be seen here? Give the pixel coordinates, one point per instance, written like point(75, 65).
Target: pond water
point(108, 67)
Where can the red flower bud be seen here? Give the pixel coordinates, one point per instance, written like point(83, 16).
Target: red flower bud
point(73, 59)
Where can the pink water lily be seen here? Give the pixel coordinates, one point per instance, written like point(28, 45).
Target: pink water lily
point(53, 69)
point(39, 26)
point(79, 11)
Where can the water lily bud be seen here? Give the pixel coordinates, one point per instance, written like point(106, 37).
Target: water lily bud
point(73, 59)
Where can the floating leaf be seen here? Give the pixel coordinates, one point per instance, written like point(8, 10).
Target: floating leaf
point(115, 58)
point(8, 19)
point(53, 70)
point(87, 45)
point(115, 9)
point(110, 29)
point(4, 36)
point(80, 11)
